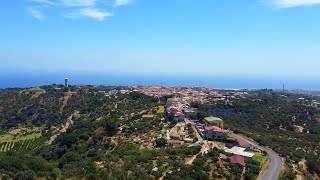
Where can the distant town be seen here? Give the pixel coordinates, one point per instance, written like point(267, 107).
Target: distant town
point(207, 130)
point(219, 133)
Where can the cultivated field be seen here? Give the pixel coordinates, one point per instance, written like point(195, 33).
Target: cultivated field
point(17, 141)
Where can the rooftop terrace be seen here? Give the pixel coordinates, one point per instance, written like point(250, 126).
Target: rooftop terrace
point(211, 119)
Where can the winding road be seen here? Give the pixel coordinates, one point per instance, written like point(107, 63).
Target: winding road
point(275, 167)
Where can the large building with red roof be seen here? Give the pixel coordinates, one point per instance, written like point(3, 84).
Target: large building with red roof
point(243, 143)
point(215, 132)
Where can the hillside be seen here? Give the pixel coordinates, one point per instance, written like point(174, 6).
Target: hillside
point(287, 124)
point(83, 132)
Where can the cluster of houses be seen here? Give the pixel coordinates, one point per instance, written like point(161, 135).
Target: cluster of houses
point(238, 148)
point(174, 113)
point(192, 94)
point(156, 90)
point(212, 128)
point(178, 108)
point(180, 135)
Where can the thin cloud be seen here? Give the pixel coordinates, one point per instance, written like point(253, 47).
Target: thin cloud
point(47, 2)
point(95, 13)
point(79, 2)
point(75, 9)
point(118, 3)
point(294, 3)
point(36, 13)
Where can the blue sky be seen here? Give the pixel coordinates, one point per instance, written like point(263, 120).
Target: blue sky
point(210, 37)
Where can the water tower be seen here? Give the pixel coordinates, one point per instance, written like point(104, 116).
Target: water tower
point(66, 82)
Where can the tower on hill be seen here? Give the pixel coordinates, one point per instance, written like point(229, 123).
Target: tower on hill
point(66, 82)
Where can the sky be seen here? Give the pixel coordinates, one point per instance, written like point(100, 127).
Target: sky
point(279, 38)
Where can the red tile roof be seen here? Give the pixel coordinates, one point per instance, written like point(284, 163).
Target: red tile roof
point(223, 156)
point(242, 142)
point(236, 159)
point(174, 143)
point(215, 128)
point(147, 116)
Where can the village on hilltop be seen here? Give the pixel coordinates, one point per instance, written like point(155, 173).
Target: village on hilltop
point(209, 132)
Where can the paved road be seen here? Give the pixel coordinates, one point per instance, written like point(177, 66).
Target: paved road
point(274, 169)
point(275, 166)
point(200, 139)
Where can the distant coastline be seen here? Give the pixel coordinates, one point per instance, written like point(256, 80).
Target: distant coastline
point(224, 82)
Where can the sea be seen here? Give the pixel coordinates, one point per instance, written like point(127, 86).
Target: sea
point(24, 80)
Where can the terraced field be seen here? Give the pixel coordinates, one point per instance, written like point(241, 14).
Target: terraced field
point(20, 143)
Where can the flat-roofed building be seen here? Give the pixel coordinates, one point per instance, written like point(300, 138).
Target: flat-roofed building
point(239, 151)
point(113, 92)
point(214, 121)
point(188, 140)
